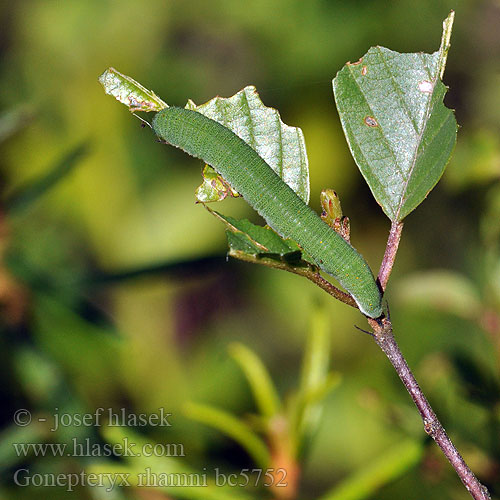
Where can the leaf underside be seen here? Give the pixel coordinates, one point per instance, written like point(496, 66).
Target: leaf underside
point(399, 131)
point(281, 146)
point(247, 239)
point(129, 92)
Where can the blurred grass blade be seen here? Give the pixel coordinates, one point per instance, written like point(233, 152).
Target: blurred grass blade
point(261, 384)
point(315, 379)
point(150, 468)
point(13, 436)
point(179, 269)
point(117, 435)
point(378, 472)
point(441, 290)
point(315, 394)
point(165, 489)
point(317, 353)
point(129, 92)
point(232, 427)
point(37, 374)
point(306, 410)
point(480, 384)
point(28, 194)
point(394, 119)
point(87, 353)
point(13, 120)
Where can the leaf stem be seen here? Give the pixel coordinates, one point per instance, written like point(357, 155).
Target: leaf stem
point(344, 297)
point(384, 337)
point(390, 254)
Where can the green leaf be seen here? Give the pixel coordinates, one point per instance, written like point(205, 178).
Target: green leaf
point(232, 427)
point(261, 245)
point(214, 187)
point(281, 146)
point(129, 92)
point(262, 242)
point(261, 384)
point(399, 131)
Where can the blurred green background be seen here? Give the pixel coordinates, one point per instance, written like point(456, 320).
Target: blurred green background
point(114, 285)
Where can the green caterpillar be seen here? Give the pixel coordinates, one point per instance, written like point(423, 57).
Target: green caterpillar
point(274, 200)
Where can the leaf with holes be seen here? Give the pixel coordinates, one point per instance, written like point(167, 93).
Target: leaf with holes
point(282, 147)
point(129, 92)
point(399, 131)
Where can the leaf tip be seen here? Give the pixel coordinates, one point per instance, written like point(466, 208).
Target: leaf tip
point(445, 42)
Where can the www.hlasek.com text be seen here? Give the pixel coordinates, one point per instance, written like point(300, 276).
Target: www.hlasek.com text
point(87, 448)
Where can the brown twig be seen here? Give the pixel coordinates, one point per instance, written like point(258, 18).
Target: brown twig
point(384, 338)
point(390, 254)
point(383, 335)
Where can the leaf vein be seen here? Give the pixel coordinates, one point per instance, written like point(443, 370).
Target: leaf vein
point(416, 155)
point(397, 90)
point(381, 130)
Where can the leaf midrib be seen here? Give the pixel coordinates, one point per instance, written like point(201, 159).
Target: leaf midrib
point(419, 141)
point(406, 179)
point(382, 131)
